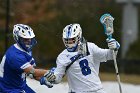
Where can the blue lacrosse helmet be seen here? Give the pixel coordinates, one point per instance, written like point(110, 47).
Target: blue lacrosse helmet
point(24, 36)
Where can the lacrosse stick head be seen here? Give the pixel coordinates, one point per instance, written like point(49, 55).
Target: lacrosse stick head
point(107, 21)
point(83, 47)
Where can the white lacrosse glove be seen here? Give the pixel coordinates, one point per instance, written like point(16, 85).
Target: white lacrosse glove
point(50, 75)
point(113, 44)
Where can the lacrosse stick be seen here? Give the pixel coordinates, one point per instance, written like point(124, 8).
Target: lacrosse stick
point(82, 51)
point(107, 22)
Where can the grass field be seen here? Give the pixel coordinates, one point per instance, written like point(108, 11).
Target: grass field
point(109, 86)
point(126, 78)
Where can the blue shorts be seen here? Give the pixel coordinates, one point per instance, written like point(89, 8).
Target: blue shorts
point(26, 89)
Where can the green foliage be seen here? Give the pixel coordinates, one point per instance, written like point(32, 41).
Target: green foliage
point(49, 17)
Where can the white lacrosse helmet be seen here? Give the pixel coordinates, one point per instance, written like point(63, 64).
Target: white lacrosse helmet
point(22, 32)
point(72, 34)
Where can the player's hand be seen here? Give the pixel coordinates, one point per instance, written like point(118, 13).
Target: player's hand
point(50, 75)
point(113, 44)
point(44, 81)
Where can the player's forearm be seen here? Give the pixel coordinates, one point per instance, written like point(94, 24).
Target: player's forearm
point(57, 79)
point(109, 54)
point(35, 73)
point(39, 72)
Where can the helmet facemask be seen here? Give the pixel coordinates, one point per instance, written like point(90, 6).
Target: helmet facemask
point(71, 42)
point(27, 44)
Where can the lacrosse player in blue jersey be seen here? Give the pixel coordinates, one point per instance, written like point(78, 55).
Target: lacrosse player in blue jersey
point(18, 62)
point(81, 71)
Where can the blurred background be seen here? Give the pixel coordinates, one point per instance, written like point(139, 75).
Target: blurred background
point(48, 18)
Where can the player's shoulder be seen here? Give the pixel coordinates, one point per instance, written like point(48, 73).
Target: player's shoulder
point(91, 44)
point(64, 52)
point(63, 57)
point(93, 48)
point(13, 52)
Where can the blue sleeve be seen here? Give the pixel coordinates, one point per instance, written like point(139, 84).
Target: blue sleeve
point(33, 62)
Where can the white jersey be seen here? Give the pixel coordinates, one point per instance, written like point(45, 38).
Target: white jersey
point(83, 73)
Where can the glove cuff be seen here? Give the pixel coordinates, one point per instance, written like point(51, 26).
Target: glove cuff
point(118, 46)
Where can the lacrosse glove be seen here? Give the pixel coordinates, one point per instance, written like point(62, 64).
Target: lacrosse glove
point(48, 78)
point(113, 44)
point(44, 81)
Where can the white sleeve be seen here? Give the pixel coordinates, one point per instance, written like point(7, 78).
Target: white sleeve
point(61, 67)
point(101, 55)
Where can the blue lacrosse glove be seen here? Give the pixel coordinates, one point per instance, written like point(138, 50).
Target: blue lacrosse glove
point(48, 78)
point(113, 44)
point(44, 81)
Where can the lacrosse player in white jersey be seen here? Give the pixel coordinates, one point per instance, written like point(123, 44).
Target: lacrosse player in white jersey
point(80, 62)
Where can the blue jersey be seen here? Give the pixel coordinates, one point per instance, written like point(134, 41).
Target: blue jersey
point(12, 65)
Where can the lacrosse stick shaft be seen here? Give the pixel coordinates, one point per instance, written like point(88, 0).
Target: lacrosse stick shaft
point(107, 21)
point(117, 72)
